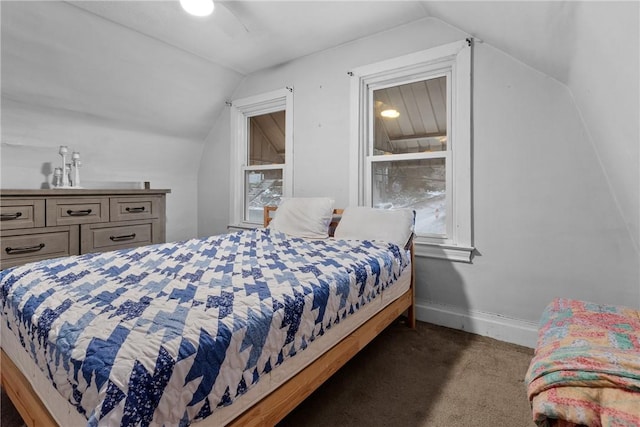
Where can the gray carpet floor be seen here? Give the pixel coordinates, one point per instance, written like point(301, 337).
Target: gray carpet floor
point(431, 376)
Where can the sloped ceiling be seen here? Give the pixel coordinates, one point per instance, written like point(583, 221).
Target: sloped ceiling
point(578, 43)
point(149, 65)
point(248, 36)
point(539, 33)
point(123, 60)
point(59, 57)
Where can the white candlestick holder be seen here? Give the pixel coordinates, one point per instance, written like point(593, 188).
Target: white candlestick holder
point(65, 178)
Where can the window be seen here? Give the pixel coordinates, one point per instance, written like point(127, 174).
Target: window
point(412, 144)
point(261, 154)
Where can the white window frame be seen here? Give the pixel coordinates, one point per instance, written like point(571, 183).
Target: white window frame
point(241, 111)
point(453, 59)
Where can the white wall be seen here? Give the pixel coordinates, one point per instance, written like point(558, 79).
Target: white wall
point(214, 180)
point(31, 136)
point(321, 109)
point(136, 108)
point(593, 47)
point(543, 223)
point(604, 81)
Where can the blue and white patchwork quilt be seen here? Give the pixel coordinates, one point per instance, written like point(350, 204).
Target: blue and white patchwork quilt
point(165, 334)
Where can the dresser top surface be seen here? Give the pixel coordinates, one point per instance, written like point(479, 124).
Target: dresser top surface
point(78, 192)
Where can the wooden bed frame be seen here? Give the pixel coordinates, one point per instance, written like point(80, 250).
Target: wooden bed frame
point(272, 408)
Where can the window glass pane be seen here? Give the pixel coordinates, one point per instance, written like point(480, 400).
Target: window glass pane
point(416, 184)
point(411, 118)
point(262, 188)
point(266, 139)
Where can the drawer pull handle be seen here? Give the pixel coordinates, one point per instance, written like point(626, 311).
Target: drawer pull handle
point(135, 210)
point(6, 217)
point(124, 237)
point(84, 212)
point(24, 249)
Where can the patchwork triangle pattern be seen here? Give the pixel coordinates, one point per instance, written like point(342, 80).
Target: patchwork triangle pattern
point(166, 334)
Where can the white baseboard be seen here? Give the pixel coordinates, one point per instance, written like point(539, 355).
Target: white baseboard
point(491, 325)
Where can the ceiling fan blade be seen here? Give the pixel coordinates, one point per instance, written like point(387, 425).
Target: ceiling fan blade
point(228, 16)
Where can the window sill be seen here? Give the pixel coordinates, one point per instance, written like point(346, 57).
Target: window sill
point(448, 252)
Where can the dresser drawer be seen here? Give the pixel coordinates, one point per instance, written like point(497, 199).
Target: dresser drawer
point(133, 208)
point(22, 246)
point(27, 213)
point(107, 237)
point(77, 211)
point(51, 223)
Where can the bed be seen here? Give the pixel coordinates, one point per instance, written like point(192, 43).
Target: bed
point(586, 366)
point(235, 329)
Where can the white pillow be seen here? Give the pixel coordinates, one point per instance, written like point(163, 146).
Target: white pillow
point(363, 223)
point(307, 217)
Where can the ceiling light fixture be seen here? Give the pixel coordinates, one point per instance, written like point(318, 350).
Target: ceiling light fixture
point(198, 7)
point(390, 114)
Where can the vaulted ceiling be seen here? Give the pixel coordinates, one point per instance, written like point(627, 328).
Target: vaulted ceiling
point(248, 36)
point(122, 60)
point(149, 66)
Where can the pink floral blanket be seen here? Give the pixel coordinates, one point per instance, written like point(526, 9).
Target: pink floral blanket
point(586, 368)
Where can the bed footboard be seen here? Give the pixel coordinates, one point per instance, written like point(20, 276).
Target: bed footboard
point(23, 396)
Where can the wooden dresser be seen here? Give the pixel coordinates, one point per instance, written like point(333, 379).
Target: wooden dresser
point(41, 224)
